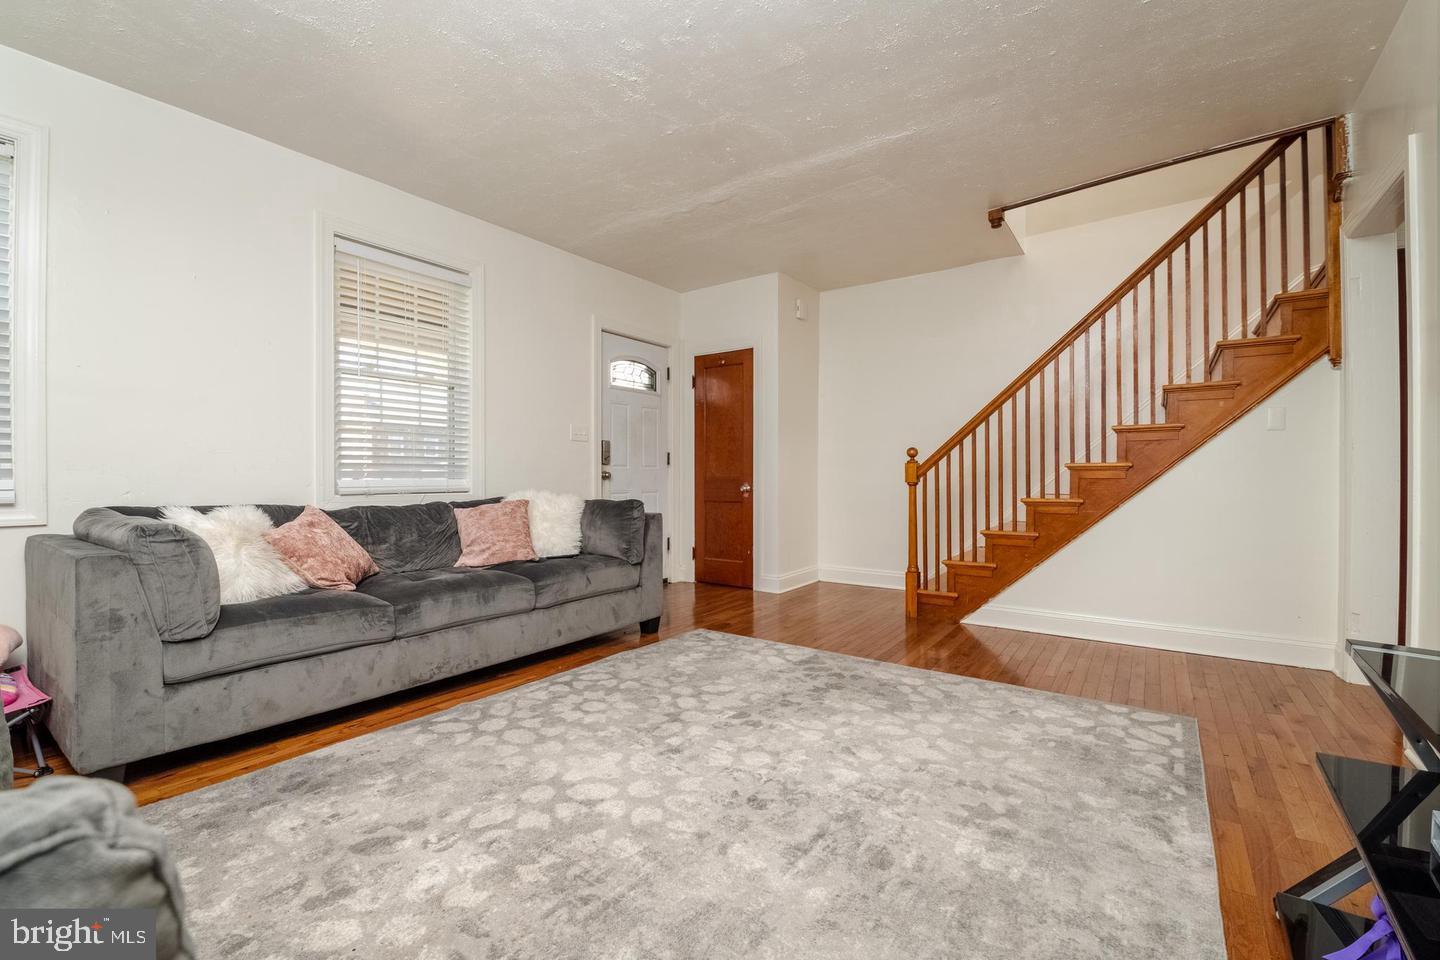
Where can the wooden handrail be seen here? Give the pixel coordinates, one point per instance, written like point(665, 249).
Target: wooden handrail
point(1170, 246)
point(996, 215)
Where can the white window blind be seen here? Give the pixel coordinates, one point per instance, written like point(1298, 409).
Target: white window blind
point(402, 373)
point(7, 339)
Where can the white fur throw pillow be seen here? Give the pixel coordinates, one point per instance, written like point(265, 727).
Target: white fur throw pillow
point(250, 569)
point(554, 522)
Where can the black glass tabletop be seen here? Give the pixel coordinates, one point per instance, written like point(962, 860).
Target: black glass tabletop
point(1408, 681)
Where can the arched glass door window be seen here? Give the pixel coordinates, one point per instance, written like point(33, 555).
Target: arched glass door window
point(633, 375)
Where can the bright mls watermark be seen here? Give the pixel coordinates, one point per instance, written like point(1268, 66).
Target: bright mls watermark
point(111, 934)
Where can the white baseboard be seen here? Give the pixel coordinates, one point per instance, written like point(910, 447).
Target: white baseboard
point(1289, 651)
point(864, 577)
point(786, 582)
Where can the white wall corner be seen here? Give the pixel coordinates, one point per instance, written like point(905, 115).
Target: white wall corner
point(785, 582)
point(1288, 651)
point(863, 576)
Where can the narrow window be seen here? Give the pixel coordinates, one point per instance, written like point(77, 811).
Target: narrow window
point(633, 375)
point(403, 368)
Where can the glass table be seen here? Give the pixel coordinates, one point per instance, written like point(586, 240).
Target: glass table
point(1389, 813)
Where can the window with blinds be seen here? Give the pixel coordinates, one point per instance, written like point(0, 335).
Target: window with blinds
point(7, 339)
point(402, 373)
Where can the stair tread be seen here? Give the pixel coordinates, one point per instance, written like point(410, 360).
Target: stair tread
point(1012, 528)
point(1099, 464)
point(1275, 340)
point(971, 558)
point(1040, 500)
point(1142, 427)
point(1199, 385)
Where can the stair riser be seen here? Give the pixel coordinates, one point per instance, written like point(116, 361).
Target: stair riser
point(1110, 473)
point(1289, 315)
point(1002, 542)
point(961, 572)
point(1142, 451)
point(1100, 492)
point(1252, 364)
point(1177, 399)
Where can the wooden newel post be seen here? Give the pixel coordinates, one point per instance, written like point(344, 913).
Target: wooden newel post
point(912, 571)
point(1337, 169)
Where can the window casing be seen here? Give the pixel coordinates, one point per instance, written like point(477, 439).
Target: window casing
point(7, 271)
point(23, 170)
point(402, 373)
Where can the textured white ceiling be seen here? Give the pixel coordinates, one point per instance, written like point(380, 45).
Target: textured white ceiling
point(696, 141)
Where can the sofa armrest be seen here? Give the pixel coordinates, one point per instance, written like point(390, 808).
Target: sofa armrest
point(176, 568)
point(94, 648)
point(652, 569)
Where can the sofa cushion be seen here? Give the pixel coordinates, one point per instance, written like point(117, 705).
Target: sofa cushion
point(614, 528)
point(176, 569)
point(426, 600)
point(562, 579)
point(278, 629)
point(415, 536)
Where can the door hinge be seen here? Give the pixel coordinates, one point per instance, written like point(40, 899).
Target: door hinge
point(692, 553)
point(667, 458)
point(667, 544)
point(692, 383)
point(667, 374)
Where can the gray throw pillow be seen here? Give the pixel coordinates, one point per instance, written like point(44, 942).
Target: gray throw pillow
point(613, 528)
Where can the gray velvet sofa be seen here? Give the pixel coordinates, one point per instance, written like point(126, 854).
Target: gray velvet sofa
point(127, 632)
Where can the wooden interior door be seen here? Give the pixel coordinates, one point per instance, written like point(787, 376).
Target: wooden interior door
point(724, 461)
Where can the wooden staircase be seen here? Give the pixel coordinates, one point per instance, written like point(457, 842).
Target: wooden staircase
point(1169, 359)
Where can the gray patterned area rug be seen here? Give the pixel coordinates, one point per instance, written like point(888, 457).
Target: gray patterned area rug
point(719, 796)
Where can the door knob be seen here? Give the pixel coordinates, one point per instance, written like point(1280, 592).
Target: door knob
point(745, 489)
point(604, 474)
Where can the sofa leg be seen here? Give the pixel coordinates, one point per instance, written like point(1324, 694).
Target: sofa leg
point(650, 626)
point(116, 773)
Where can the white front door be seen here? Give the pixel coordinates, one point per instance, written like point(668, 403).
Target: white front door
point(633, 422)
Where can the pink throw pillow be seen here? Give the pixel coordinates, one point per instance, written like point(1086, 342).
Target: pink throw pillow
point(321, 552)
point(494, 533)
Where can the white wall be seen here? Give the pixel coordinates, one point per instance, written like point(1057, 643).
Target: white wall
point(759, 313)
point(733, 316)
point(1370, 443)
point(798, 448)
point(1394, 142)
point(181, 312)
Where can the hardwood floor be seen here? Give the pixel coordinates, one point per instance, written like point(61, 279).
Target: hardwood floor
point(1260, 725)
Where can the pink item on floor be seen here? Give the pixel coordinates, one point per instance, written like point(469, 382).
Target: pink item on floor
point(28, 694)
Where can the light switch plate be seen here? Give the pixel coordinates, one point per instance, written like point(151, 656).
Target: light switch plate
point(1274, 418)
point(579, 434)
